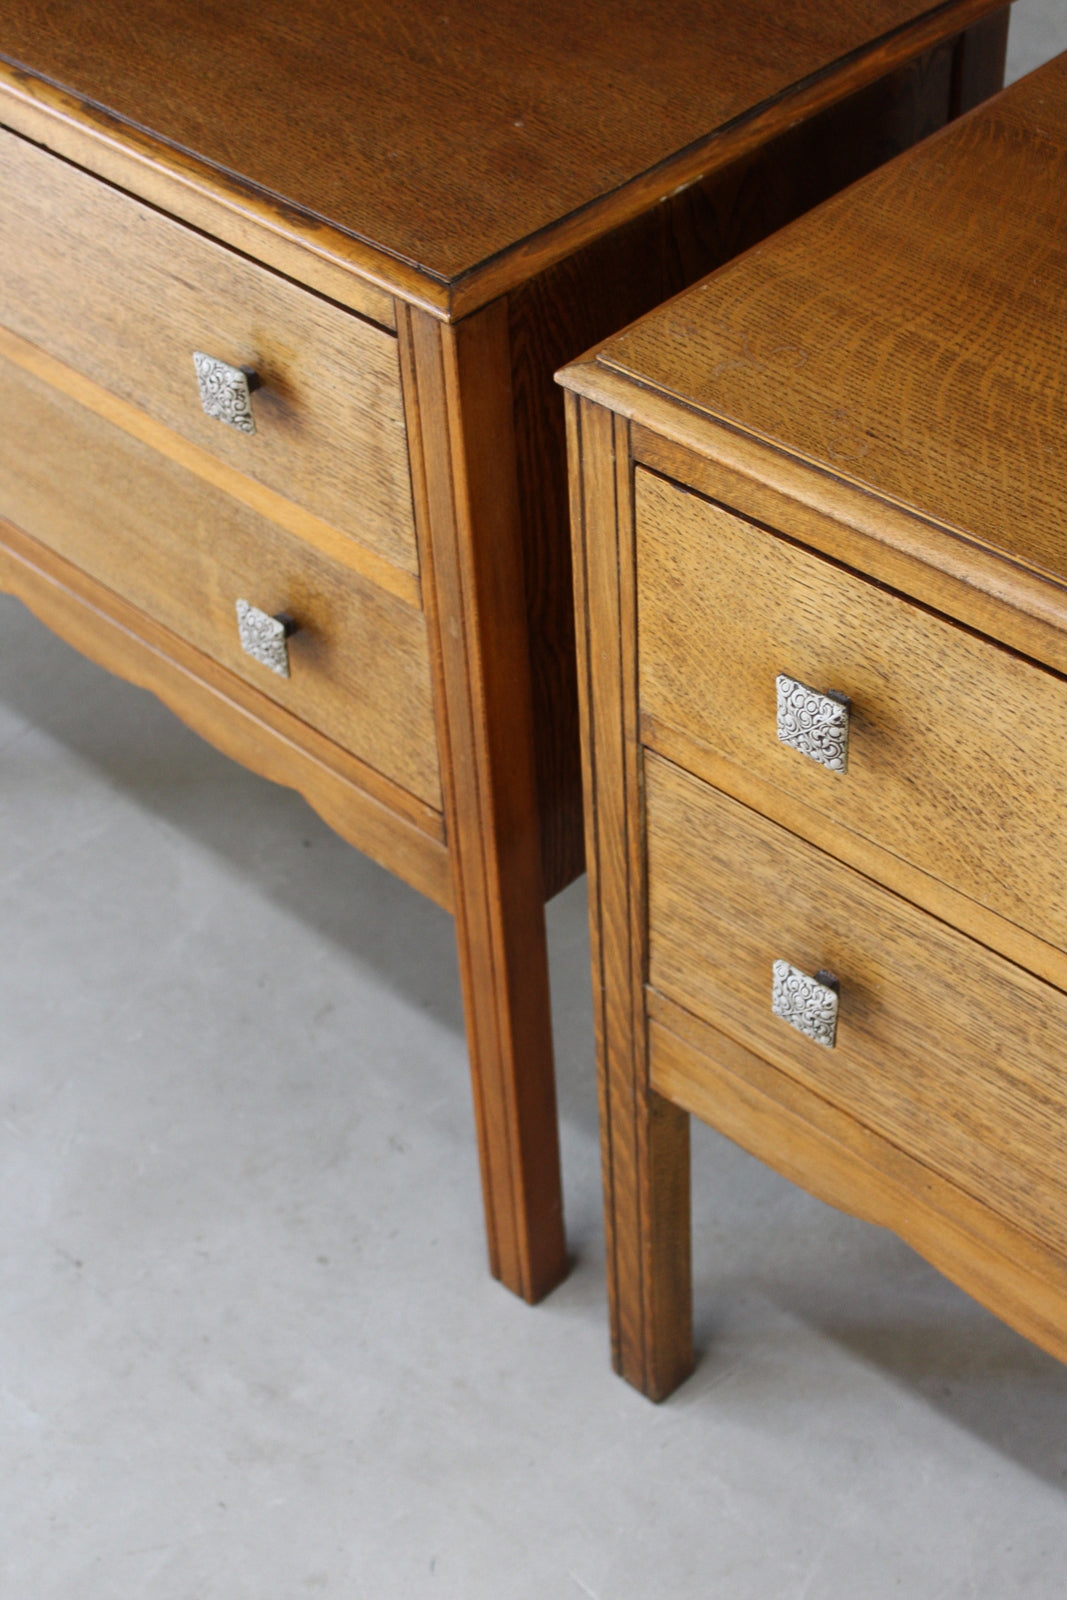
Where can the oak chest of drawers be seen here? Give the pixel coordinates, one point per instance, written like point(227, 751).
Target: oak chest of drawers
point(820, 517)
point(281, 295)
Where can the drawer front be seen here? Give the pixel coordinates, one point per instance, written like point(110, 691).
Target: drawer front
point(952, 1053)
point(125, 295)
point(184, 552)
point(956, 759)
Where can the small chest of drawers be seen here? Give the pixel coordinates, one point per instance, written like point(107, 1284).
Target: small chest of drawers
point(372, 232)
point(820, 520)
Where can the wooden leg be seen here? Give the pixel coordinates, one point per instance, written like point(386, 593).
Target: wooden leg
point(650, 1275)
point(458, 389)
point(980, 58)
point(644, 1139)
point(504, 971)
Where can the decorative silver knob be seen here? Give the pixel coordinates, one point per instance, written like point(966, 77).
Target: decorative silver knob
point(807, 1004)
point(225, 391)
point(265, 638)
point(815, 724)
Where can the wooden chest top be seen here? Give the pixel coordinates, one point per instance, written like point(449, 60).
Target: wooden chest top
point(448, 135)
point(907, 338)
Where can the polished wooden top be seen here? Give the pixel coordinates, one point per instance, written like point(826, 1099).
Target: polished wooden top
point(447, 133)
point(909, 336)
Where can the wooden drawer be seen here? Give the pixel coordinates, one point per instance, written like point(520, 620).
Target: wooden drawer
point(947, 1050)
point(956, 757)
point(125, 295)
point(184, 552)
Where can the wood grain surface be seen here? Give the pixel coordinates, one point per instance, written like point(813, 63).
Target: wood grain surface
point(555, 315)
point(184, 553)
point(458, 384)
point(530, 176)
point(908, 335)
point(956, 758)
point(374, 815)
point(644, 1139)
point(879, 385)
point(277, 508)
point(345, 269)
point(922, 887)
point(126, 295)
point(803, 1136)
point(525, 114)
point(983, 589)
point(946, 1050)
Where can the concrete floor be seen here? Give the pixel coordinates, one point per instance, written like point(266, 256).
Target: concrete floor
point(249, 1349)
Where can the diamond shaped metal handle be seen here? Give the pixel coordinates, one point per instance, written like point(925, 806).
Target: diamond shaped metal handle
point(808, 1004)
point(813, 723)
point(265, 638)
point(225, 391)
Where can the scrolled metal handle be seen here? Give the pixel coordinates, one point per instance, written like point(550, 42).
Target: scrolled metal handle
point(808, 1004)
point(813, 723)
point(225, 391)
point(265, 638)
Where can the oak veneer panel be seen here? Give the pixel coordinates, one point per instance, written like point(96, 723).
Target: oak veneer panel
point(184, 552)
point(943, 1048)
point(345, 269)
point(1043, 106)
point(982, 589)
point(956, 758)
point(921, 887)
point(526, 113)
point(386, 823)
point(312, 530)
point(804, 1137)
point(907, 334)
point(125, 295)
